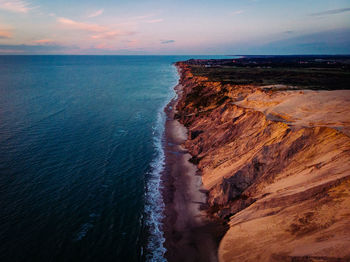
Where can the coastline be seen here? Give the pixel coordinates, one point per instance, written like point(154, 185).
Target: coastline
point(281, 184)
point(189, 233)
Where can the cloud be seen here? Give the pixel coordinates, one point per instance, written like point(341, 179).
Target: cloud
point(132, 43)
point(81, 26)
point(153, 21)
point(16, 6)
point(44, 42)
point(100, 32)
point(32, 49)
point(238, 12)
point(98, 49)
point(10, 51)
point(104, 46)
point(167, 41)
point(141, 17)
point(109, 50)
point(331, 12)
point(5, 34)
point(288, 32)
point(147, 19)
point(97, 13)
point(108, 35)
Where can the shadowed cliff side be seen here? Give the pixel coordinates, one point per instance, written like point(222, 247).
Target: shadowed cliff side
point(281, 182)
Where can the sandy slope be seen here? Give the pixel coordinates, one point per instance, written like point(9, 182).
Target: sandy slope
point(276, 165)
point(304, 108)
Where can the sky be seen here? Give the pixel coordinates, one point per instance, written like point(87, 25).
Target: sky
point(174, 27)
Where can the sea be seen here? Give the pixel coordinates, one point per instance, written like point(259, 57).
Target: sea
point(81, 156)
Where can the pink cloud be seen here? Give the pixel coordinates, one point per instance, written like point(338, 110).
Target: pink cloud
point(3, 51)
point(17, 6)
point(97, 13)
point(141, 17)
point(81, 26)
point(153, 21)
point(5, 34)
point(104, 46)
point(100, 32)
point(44, 42)
point(107, 35)
point(100, 46)
point(132, 43)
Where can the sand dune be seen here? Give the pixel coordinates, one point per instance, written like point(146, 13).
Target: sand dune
point(303, 108)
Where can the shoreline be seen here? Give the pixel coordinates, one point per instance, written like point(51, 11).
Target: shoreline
point(189, 233)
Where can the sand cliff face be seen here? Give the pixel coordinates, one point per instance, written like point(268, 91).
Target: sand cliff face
point(276, 165)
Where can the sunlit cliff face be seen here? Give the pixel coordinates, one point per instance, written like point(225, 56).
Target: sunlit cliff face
point(178, 27)
point(282, 182)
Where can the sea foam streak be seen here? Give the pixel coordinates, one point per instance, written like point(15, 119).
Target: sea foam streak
point(154, 204)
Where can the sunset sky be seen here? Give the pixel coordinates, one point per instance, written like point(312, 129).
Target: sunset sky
point(174, 27)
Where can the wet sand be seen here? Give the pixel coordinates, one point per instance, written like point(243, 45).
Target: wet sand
point(189, 234)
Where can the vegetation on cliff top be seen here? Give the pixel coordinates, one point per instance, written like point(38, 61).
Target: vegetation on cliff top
point(296, 72)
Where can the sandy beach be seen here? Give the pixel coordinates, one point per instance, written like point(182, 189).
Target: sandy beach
point(189, 235)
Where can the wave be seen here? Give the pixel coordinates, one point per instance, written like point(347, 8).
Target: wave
point(154, 204)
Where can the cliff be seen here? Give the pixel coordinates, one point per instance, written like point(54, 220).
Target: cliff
point(275, 164)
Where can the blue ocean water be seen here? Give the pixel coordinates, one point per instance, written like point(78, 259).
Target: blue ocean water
point(80, 156)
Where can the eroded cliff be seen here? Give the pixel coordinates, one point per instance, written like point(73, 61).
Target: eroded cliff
point(276, 165)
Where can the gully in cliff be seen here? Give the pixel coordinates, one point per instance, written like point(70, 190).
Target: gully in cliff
point(273, 157)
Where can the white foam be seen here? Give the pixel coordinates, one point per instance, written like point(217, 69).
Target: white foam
point(154, 204)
